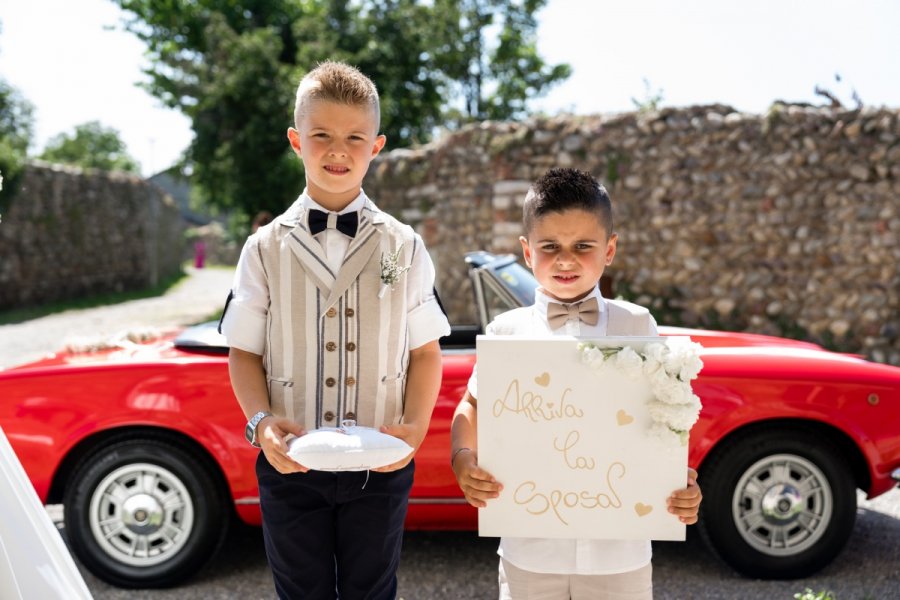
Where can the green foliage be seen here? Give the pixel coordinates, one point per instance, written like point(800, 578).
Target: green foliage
point(240, 155)
point(493, 81)
point(651, 101)
point(92, 146)
point(16, 128)
point(233, 67)
point(613, 160)
point(808, 594)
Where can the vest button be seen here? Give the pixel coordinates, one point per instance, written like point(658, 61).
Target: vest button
point(330, 312)
point(350, 415)
point(330, 346)
point(349, 312)
point(351, 346)
point(330, 382)
point(350, 381)
point(328, 416)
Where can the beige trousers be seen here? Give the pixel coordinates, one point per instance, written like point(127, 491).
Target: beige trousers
point(518, 584)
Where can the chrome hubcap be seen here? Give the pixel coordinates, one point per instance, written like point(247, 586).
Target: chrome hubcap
point(141, 514)
point(782, 505)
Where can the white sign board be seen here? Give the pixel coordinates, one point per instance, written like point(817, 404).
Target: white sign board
point(571, 444)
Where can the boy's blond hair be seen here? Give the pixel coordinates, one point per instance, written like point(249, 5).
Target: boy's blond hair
point(340, 83)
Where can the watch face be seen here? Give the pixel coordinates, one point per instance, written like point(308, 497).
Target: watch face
point(249, 431)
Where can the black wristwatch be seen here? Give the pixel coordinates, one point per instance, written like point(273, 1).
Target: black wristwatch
point(250, 429)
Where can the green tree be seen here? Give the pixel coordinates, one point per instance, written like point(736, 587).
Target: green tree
point(232, 67)
point(16, 129)
point(240, 155)
point(92, 146)
point(493, 80)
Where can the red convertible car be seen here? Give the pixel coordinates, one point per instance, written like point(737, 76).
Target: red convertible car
point(143, 445)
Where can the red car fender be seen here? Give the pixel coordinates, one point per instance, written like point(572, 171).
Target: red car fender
point(847, 413)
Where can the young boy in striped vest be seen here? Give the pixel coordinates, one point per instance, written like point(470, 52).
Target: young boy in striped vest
point(320, 334)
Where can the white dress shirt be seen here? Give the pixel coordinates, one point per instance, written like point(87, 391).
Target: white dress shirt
point(244, 322)
point(564, 556)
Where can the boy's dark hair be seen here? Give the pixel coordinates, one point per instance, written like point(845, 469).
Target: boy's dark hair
point(561, 189)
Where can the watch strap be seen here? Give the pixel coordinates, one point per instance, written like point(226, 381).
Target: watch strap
point(253, 424)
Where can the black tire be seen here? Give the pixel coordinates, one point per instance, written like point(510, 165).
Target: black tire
point(143, 513)
point(777, 504)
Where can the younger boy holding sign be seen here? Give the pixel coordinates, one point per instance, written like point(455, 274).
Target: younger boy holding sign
point(569, 241)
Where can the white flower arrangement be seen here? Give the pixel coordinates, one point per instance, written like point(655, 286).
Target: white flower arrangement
point(391, 270)
point(669, 369)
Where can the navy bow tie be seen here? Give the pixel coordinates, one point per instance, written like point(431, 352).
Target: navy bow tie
point(346, 223)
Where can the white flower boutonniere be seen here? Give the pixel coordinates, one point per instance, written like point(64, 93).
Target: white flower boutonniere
point(669, 369)
point(391, 270)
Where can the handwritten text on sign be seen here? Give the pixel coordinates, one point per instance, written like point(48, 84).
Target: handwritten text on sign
point(570, 445)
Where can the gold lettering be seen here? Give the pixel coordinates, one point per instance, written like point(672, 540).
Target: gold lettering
point(618, 502)
point(537, 503)
point(579, 462)
point(540, 497)
point(533, 405)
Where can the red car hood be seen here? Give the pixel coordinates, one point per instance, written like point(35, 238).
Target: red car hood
point(719, 339)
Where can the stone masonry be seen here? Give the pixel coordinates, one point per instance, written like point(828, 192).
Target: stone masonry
point(786, 223)
point(67, 233)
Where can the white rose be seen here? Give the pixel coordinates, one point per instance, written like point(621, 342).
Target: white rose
point(672, 391)
point(590, 355)
point(665, 435)
point(630, 362)
point(677, 416)
point(656, 351)
point(691, 368)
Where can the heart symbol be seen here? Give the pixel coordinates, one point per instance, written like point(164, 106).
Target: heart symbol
point(543, 380)
point(623, 418)
point(549, 406)
point(642, 509)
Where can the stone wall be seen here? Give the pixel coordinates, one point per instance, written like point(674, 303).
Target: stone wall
point(67, 234)
point(786, 223)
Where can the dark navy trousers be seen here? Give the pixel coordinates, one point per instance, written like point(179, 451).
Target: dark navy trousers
point(333, 535)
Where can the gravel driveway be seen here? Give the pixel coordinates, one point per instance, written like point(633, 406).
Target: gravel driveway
point(196, 297)
point(461, 566)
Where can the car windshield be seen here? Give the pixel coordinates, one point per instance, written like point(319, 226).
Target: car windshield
point(517, 279)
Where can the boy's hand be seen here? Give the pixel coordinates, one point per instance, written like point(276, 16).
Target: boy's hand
point(686, 502)
point(477, 484)
point(409, 433)
point(271, 432)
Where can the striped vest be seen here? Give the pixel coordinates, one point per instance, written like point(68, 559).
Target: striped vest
point(334, 349)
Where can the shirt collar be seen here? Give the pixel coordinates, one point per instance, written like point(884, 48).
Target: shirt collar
point(541, 299)
point(356, 205)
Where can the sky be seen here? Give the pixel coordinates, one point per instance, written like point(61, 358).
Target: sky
point(74, 62)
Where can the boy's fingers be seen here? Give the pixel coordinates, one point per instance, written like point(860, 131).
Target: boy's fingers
point(399, 431)
point(482, 480)
point(477, 472)
point(687, 503)
point(293, 427)
point(394, 466)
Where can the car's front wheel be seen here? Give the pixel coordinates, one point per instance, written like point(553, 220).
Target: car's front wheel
point(777, 504)
point(143, 513)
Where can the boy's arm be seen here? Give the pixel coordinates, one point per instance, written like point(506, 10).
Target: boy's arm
point(477, 484)
point(423, 382)
point(248, 380)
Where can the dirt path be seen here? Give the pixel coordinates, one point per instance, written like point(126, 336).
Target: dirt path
point(197, 297)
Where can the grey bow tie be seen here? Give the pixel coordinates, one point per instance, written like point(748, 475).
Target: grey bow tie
point(587, 311)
